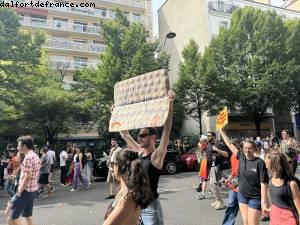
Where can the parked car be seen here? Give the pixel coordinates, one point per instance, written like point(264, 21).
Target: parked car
point(190, 159)
point(100, 168)
point(172, 163)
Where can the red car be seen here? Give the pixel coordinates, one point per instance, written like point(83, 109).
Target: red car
point(190, 159)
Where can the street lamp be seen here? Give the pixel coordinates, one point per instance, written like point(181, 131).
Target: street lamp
point(169, 35)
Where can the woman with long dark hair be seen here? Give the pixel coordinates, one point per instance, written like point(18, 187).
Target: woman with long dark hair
point(284, 192)
point(134, 194)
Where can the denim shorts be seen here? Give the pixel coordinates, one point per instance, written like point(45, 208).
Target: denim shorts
point(252, 203)
point(152, 215)
point(22, 205)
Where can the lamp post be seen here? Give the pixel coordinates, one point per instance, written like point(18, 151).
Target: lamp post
point(169, 35)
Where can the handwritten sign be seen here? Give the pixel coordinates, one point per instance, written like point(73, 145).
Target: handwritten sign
point(140, 102)
point(222, 119)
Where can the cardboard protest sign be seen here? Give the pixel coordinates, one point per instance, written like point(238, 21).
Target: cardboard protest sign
point(140, 102)
point(222, 119)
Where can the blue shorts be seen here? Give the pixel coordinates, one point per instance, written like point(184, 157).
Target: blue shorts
point(22, 205)
point(252, 203)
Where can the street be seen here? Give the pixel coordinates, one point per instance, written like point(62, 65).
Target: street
point(87, 207)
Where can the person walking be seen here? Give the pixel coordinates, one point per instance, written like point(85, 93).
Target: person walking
point(216, 154)
point(284, 192)
point(63, 156)
point(12, 169)
point(291, 148)
point(110, 177)
point(253, 181)
point(89, 164)
point(22, 202)
point(152, 160)
point(44, 172)
point(232, 182)
point(134, 194)
point(78, 167)
point(203, 172)
point(52, 157)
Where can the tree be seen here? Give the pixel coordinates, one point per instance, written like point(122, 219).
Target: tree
point(128, 53)
point(246, 64)
point(190, 87)
point(32, 99)
point(293, 49)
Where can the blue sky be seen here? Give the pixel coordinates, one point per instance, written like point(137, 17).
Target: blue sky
point(158, 3)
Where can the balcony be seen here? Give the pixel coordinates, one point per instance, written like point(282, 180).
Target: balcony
point(74, 46)
point(220, 7)
point(238, 112)
point(133, 3)
point(70, 65)
point(59, 25)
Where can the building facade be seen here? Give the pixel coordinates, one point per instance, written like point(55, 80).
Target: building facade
point(201, 20)
point(73, 41)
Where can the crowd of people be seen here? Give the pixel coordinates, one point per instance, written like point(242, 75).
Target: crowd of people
point(260, 176)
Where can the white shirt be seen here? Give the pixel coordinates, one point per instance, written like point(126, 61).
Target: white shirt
point(63, 158)
point(52, 157)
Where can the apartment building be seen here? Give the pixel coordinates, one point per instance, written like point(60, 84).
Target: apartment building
point(200, 20)
point(73, 42)
point(73, 39)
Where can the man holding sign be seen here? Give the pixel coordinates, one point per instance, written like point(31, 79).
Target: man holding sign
point(152, 159)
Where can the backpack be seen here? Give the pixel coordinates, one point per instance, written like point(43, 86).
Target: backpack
point(84, 160)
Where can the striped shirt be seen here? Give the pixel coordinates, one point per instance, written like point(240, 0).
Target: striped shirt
point(31, 164)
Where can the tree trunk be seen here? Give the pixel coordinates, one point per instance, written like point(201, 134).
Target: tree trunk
point(257, 126)
point(49, 136)
point(200, 126)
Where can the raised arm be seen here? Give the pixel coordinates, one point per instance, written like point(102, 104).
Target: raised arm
point(131, 143)
point(226, 139)
point(159, 154)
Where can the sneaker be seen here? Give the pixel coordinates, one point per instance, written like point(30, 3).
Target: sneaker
point(74, 190)
point(265, 218)
point(214, 204)
point(52, 189)
point(200, 196)
point(46, 196)
point(61, 184)
point(220, 205)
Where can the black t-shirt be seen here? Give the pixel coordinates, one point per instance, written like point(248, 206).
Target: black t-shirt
point(218, 158)
point(151, 172)
point(251, 174)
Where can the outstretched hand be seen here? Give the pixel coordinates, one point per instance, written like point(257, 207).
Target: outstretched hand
point(171, 95)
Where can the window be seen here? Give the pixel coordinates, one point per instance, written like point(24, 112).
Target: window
point(224, 23)
point(126, 14)
point(38, 20)
point(80, 62)
point(59, 22)
point(101, 12)
point(80, 26)
point(137, 18)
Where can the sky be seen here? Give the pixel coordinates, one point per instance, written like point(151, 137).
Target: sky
point(156, 4)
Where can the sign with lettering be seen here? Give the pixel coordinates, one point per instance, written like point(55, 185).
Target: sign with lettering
point(140, 102)
point(222, 119)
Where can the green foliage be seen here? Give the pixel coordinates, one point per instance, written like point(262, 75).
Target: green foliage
point(191, 86)
point(32, 99)
point(293, 50)
point(246, 64)
point(128, 53)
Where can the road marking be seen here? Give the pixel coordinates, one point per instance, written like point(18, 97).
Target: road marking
point(48, 205)
point(161, 190)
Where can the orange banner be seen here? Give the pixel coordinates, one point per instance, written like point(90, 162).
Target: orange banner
point(222, 119)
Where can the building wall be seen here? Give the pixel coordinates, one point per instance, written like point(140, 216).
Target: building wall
point(200, 20)
point(294, 5)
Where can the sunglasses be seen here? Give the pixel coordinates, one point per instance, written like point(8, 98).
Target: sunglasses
point(143, 135)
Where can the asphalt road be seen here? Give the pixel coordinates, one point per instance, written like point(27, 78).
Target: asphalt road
point(87, 207)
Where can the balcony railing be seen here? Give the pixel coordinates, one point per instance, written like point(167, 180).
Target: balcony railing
point(220, 7)
point(59, 25)
point(134, 3)
point(75, 46)
point(70, 65)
